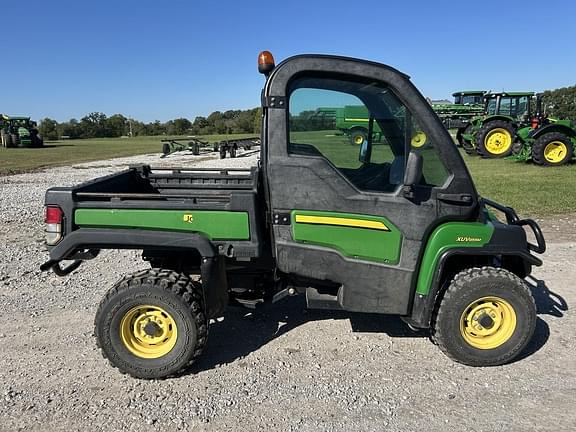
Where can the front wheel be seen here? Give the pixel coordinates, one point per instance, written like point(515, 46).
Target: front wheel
point(358, 136)
point(152, 324)
point(552, 149)
point(486, 317)
point(495, 139)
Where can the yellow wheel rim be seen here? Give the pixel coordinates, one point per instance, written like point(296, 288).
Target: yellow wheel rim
point(555, 152)
point(487, 323)
point(148, 331)
point(498, 141)
point(358, 139)
point(419, 139)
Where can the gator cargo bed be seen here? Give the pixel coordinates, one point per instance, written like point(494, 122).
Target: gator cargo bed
point(131, 208)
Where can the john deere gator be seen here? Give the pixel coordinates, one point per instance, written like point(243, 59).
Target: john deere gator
point(396, 228)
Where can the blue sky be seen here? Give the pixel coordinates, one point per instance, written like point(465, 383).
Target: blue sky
point(165, 59)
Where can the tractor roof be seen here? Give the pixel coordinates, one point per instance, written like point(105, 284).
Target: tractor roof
point(494, 94)
point(469, 92)
point(7, 117)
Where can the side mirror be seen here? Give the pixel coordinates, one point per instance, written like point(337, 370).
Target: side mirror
point(413, 173)
point(364, 155)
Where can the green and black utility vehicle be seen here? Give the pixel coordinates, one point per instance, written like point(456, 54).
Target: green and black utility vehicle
point(492, 134)
point(396, 228)
point(19, 132)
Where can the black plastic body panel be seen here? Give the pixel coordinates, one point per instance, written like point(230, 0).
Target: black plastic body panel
point(314, 184)
point(164, 189)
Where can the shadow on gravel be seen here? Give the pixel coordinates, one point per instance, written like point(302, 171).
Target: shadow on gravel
point(547, 303)
point(244, 331)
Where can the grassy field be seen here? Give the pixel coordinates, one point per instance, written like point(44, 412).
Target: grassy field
point(530, 189)
point(57, 153)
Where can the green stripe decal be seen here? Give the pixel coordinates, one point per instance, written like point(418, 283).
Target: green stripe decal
point(216, 225)
point(450, 235)
point(357, 236)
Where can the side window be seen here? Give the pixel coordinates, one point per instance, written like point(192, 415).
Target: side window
point(362, 129)
point(505, 106)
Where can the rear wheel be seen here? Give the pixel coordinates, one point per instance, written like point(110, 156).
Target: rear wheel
point(358, 136)
point(486, 317)
point(152, 324)
point(495, 139)
point(552, 149)
point(222, 152)
point(233, 152)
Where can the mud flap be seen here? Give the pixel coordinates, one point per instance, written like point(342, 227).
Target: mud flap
point(214, 285)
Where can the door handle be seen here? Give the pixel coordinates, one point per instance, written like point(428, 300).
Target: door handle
point(455, 198)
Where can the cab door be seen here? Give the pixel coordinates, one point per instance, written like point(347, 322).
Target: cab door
point(339, 132)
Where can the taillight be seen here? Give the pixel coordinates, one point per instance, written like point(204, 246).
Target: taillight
point(534, 123)
point(53, 221)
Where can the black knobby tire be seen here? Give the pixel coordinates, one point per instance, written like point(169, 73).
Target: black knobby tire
point(484, 133)
point(232, 152)
point(467, 145)
point(222, 152)
point(195, 149)
point(540, 145)
point(174, 293)
point(473, 285)
point(165, 148)
point(358, 136)
point(459, 138)
point(15, 140)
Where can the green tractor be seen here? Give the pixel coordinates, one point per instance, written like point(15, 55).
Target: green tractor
point(547, 141)
point(492, 134)
point(467, 105)
point(19, 132)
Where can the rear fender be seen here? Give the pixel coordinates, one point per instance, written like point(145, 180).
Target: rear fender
point(566, 130)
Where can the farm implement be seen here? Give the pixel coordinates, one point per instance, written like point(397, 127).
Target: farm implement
point(196, 146)
point(467, 105)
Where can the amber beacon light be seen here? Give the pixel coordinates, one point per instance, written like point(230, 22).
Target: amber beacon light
point(265, 62)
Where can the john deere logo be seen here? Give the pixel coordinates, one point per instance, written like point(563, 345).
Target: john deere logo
point(466, 239)
point(188, 218)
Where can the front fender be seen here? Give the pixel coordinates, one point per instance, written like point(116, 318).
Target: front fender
point(494, 241)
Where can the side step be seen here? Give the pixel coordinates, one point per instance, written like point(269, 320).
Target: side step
point(316, 300)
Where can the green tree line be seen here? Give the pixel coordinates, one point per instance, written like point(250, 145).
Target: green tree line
point(98, 125)
point(561, 103)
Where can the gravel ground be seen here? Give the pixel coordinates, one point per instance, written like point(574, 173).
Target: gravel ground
point(284, 369)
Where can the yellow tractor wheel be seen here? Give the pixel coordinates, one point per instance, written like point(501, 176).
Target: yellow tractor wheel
point(495, 139)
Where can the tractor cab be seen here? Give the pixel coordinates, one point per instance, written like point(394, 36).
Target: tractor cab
point(517, 105)
point(469, 97)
